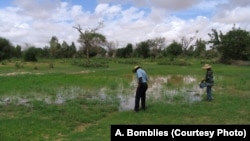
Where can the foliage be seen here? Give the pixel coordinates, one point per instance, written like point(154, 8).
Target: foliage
point(31, 54)
point(228, 47)
point(91, 64)
point(68, 51)
point(7, 51)
point(172, 61)
point(110, 48)
point(234, 45)
point(200, 48)
point(186, 43)
point(156, 46)
point(90, 39)
point(142, 50)
point(18, 64)
point(174, 49)
point(128, 61)
point(55, 47)
point(125, 52)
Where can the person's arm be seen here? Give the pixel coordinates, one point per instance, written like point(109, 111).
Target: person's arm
point(206, 77)
point(140, 80)
point(209, 76)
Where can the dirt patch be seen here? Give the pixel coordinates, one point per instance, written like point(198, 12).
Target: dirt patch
point(82, 127)
point(18, 73)
point(240, 63)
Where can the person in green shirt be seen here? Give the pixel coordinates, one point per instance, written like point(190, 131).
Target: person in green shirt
point(209, 79)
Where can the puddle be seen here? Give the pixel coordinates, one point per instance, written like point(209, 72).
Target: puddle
point(166, 88)
point(170, 89)
point(61, 96)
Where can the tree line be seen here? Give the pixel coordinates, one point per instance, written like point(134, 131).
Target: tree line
point(233, 45)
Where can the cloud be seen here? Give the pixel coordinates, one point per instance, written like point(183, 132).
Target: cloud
point(125, 21)
point(234, 16)
point(166, 4)
point(36, 8)
point(236, 3)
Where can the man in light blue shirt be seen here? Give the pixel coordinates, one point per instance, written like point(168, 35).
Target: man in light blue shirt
point(142, 87)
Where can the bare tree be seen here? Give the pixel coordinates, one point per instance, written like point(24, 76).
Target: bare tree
point(156, 46)
point(89, 38)
point(111, 48)
point(185, 42)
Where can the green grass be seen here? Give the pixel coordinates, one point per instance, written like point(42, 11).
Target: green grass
point(88, 117)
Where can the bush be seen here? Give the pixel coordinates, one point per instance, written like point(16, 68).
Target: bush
point(174, 62)
point(30, 55)
point(91, 64)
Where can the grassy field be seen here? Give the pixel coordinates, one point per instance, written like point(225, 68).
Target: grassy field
point(73, 103)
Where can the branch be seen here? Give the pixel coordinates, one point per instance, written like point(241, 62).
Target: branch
point(78, 28)
point(100, 25)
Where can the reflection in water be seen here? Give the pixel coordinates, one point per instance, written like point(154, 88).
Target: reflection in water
point(170, 89)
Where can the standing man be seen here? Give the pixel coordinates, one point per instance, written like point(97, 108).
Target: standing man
point(142, 87)
point(209, 79)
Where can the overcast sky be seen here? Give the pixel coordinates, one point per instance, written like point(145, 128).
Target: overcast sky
point(34, 22)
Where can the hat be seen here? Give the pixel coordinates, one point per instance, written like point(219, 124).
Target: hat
point(135, 68)
point(206, 66)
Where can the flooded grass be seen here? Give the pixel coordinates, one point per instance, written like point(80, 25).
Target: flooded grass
point(170, 89)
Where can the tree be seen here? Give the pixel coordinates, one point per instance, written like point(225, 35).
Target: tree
point(90, 39)
point(174, 49)
point(64, 49)
point(6, 49)
point(72, 50)
point(200, 48)
point(156, 46)
point(31, 54)
point(121, 52)
point(111, 48)
point(45, 52)
point(55, 47)
point(68, 51)
point(97, 40)
point(234, 45)
point(18, 51)
point(215, 39)
point(125, 52)
point(186, 42)
point(142, 49)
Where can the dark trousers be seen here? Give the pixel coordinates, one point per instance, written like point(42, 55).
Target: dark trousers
point(140, 96)
point(209, 93)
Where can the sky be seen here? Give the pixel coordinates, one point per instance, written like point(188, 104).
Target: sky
point(34, 22)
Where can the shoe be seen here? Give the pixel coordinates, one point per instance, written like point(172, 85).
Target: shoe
point(136, 110)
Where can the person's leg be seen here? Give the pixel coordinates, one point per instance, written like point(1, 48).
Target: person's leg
point(143, 97)
point(209, 93)
point(137, 99)
point(143, 101)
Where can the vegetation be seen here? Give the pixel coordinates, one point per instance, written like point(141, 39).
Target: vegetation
point(67, 102)
point(90, 40)
point(234, 45)
point(61, 92)
point(226, 48)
